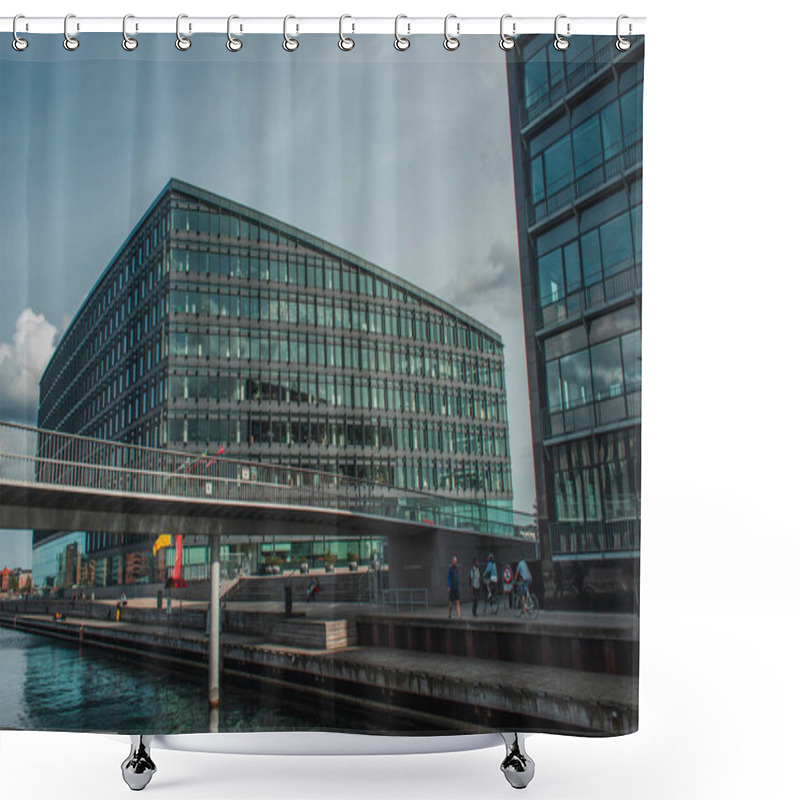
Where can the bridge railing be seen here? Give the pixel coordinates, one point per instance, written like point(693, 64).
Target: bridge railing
point(49, 458)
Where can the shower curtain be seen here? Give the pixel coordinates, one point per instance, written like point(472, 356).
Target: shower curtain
point(320, 385)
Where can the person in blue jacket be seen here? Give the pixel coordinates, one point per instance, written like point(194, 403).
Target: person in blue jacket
point(452, 588)
point(490, 577)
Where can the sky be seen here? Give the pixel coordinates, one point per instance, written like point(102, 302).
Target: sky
point(401, 158)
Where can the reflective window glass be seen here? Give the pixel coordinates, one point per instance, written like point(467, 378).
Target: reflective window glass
point(558, 164)
point(553, 387)
point(607, 370)
point(611, 128)
point(587, 147)
point(551, 278)
point(576, 379)
point(632, 360)
point(616, 245)
point(590, 258)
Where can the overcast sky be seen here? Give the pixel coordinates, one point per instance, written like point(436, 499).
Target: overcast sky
point(401, 158)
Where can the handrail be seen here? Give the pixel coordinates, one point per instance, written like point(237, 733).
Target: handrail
point(578, 299)
point(41, 457)
point(595, 538)
point(576, 185)
point(596, 412)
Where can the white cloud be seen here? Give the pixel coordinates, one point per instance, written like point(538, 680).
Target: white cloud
point(22, 363)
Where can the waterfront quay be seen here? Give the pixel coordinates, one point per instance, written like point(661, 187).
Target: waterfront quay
point(570, 672)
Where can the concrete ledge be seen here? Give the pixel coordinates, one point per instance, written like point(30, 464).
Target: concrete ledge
point(447, 692)
point(595, 649)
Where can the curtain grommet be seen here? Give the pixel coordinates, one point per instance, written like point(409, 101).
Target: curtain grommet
point(181, 42)
point(506, 42)
point(622, 44)
point(561, 43)
point(345, 42)
point(451, 43)
point(71, 43)
point(129, 43)
point(233, 44)
point(290, 44)
point(401, 43)
point(18, 43)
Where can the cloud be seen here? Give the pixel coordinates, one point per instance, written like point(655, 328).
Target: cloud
point(489, 287)
point(22, 364)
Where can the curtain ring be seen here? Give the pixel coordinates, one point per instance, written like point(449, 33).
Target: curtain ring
point(70, 42)
point(506, 42)
point(622, 43)
point(233, 44)
point(181, 42)
point(451, 42)
point(289, 44)
point(400, 42)
point(345, 43)
point(19, 44)
point(128, 42)
point(561, 43)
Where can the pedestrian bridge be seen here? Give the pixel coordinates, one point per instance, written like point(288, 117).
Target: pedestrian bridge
point(57, 481)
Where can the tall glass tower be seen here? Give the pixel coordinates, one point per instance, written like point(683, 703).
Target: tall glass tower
point(576, 121)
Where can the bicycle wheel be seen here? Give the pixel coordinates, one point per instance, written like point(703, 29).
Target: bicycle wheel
point(494, 602)
point(529, 606)
point(533, 605)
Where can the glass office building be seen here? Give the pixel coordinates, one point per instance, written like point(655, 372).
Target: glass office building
point(576, 119)
point(217, 328)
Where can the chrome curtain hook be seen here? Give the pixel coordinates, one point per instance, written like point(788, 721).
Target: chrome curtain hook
point(289, 44)
point(451, 42)
point(128, 42)
point(401, 42)
point(233, 44)
point(70, 42)
point(622, 43)
point(181, 42)
point(506, 42)
point(19, 44)
point(561, 43)
point(345, 43)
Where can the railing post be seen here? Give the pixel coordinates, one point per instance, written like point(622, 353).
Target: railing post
point(213, 623)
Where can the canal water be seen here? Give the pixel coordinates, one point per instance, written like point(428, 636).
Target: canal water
point(47, 684)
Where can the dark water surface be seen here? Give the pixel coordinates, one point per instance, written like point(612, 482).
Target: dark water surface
point(47, 684)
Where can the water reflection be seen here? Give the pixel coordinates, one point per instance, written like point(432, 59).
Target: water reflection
point(46, 684)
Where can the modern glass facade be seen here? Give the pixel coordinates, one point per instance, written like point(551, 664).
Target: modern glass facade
point(217, 328)
point(576, 119)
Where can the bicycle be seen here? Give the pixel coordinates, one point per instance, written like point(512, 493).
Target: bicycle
point(492, 599)
point(526, 603)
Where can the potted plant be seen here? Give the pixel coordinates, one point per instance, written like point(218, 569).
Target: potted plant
point(352, 558)
point(330, 560)
point(273, 565)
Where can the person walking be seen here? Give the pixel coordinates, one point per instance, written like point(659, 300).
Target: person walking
point(452, 587)
point(475, 585)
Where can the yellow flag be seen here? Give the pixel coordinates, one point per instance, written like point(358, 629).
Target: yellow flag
point(163, 541)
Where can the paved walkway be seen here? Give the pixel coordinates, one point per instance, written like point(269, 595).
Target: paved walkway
point(568, 621)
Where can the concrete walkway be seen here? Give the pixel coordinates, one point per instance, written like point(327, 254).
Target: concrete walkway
point(568, 621)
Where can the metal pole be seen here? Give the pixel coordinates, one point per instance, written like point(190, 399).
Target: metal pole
point(213, 624)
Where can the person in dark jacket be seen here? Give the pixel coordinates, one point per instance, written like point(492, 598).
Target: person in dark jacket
point(452, 587)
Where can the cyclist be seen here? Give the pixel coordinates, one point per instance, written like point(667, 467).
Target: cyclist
point(490, 577)
point(523, 575)
point(475, 585)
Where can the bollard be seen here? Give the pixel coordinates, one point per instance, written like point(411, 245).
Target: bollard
point(159, 599)
point(287, 600)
